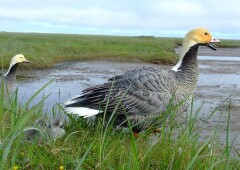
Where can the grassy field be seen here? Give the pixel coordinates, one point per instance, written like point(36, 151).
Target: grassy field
point(44, 50)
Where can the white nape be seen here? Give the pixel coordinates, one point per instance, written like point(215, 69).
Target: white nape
point(82, 111)
point(184, 50)
point(177, 66)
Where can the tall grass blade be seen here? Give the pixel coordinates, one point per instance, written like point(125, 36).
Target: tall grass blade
point(228, 150)
point(80, 162)
point(196, 156)
point(9, 139)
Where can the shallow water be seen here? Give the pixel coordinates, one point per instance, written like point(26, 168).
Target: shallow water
point(70, 78)
point(217, 58)
point(218, 80)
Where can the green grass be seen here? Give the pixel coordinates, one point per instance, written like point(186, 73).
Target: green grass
point(100, 146)
point(230, 43)
point(44, 50)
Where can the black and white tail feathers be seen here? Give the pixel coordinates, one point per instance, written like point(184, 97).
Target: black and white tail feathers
point(87, 104)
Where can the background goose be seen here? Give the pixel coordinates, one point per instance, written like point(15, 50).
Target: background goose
point(10, 77)
point(145, 93)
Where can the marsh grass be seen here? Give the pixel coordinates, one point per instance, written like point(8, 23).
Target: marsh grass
point(44, 50)
point(230, 43)
point(99, 145)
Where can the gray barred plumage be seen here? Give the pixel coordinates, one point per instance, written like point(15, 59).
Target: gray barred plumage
point(147, 92)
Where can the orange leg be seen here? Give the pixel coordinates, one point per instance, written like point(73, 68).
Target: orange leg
point(136, 134)
point(158, 130)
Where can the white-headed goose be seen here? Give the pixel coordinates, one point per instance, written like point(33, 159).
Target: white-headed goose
point(145, 93)
point(10, 77)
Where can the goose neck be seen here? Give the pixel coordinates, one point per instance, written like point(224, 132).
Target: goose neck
point(188, 71)
point(11, 73)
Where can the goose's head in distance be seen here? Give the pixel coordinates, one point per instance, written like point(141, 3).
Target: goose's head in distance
point(17, 59)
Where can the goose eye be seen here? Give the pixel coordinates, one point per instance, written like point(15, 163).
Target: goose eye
point(205, 33)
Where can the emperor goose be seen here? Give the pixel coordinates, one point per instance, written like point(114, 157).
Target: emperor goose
point(10, 77)
point(145, 93)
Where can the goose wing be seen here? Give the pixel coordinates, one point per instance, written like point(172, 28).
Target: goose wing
point(149, 92)
point(140, 91)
